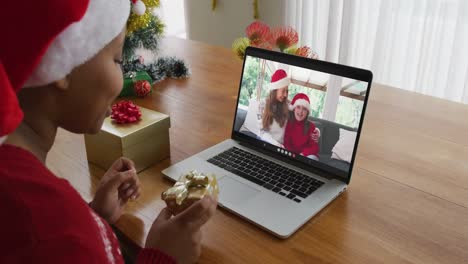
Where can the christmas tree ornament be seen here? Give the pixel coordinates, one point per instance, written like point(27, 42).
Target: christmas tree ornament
point(138, 22)
point(142, 88)
point(130, 78)
point(125, 112)
point(144, 33)
point(138, 7)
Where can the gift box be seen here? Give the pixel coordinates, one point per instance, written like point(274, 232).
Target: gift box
point(190, 188)
point(145, 141)
point(130, 79)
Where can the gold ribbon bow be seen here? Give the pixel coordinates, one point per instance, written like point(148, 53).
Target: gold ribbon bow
point(190, 182)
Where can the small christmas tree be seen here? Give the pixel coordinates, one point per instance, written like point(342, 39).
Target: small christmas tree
point(144, 32)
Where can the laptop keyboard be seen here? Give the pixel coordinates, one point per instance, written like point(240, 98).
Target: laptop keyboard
point(279, 179)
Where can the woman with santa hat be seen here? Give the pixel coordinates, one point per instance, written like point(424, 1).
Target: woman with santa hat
point(298, 135)
point(60, 67)
point(275, 113)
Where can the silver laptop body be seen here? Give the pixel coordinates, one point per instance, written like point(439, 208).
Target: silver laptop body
point(282, 190)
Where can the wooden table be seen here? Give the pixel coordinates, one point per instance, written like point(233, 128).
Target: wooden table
point(408, 198)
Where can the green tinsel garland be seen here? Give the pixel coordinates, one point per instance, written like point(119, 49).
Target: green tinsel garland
point(147, 38)
point(146, 32)
point(164, 67)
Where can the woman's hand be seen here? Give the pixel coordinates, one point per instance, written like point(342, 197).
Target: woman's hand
point(180, 236)
point(119, 184)
point(315, 135)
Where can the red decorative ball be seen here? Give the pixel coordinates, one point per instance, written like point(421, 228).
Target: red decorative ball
point(125, 112)
point(142, 88)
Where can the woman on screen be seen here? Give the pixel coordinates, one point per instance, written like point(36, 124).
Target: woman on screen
point(299, 133)
point(275, 113)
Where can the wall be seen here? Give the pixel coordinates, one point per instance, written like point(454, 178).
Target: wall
point(229, 20)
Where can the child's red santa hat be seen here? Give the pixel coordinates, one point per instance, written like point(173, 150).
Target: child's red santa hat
point(279, 79)
point(45, 40)
point(300, 99)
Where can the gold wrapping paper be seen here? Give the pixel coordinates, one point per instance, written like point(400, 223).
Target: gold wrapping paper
point(190, 188)
point(146, 142)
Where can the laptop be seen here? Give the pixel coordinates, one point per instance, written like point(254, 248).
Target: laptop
point(278, 185)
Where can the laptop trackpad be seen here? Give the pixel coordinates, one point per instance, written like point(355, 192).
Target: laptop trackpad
point(233, 191)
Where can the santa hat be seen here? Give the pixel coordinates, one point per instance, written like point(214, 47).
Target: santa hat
point(46, 40)
point(279, 80)
point(300, 99)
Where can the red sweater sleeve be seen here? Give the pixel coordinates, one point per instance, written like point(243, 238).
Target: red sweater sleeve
point(150, 255)
point(69, 249)
point(73, 249)
point(48, 222)
point(312, 148)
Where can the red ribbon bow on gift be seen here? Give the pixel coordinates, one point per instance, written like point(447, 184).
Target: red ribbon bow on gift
point(125, 112)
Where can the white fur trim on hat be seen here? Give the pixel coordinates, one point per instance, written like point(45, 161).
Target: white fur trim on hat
point(102, 22)
point(302, 102)
point(279, 84)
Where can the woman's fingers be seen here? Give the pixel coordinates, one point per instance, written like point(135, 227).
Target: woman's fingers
point(130, 193)
point(123, 164)
point(198, 213)
point(130, 183)
point(136, 194)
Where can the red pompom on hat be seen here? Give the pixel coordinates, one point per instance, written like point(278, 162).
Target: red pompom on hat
point(279, 80)
point(300, 99)
point(49, 40)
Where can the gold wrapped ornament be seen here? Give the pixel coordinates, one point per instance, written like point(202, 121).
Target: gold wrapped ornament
point(190, 188)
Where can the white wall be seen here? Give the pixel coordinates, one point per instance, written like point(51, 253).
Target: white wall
point(172, 14)
point(229, 20)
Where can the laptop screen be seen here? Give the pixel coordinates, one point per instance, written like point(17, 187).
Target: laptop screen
point(305, 110)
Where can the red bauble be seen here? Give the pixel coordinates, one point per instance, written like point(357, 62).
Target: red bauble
point(125, 112)
point(142, 88)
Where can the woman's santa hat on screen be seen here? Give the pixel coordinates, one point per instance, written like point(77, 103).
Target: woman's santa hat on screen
point(51, 38)
point(279, 79)
point(300, 99)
